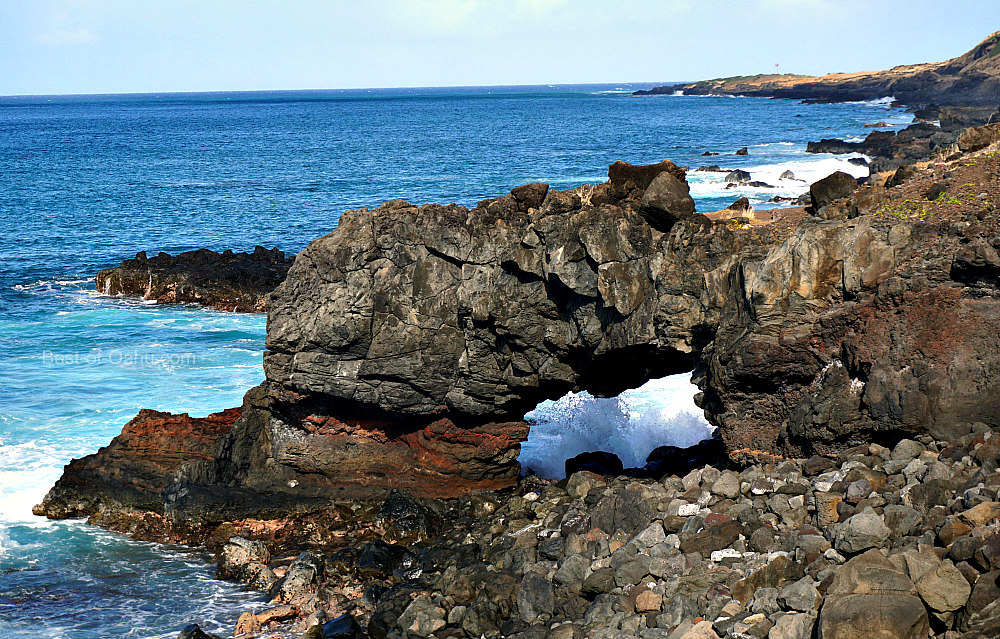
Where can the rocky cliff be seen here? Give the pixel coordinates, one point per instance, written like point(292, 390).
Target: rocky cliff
point(970, 79)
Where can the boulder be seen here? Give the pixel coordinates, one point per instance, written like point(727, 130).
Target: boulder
point(194, 631)
point(978, 137)
point(801, 595)
point(901, 175)
point(944, 589)
point(598, 462)
point(717, 537)
point(534, 597)
point(794, 626)
point(860, 532)
point(342, 627)
point(631, 180)
point(831, 188)
point(422, 618)
point(742, 151)
point(666, 200)
point(870, 592)
point(742, 204)
point(738, 176)
point(237, 555)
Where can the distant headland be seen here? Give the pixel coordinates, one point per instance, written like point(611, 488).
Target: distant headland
point(972, 79)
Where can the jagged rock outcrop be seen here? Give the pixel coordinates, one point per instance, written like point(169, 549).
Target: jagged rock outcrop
point(122, 485)
point(482, 314)
point(227, 281)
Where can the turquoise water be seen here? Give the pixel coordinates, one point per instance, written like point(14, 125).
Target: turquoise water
point(88, 181)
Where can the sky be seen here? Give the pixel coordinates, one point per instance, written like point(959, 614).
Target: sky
point(131, 46)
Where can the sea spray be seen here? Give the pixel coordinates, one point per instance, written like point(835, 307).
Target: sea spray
point(659, 413)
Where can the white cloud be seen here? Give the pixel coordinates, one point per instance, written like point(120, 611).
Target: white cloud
point(58, 37)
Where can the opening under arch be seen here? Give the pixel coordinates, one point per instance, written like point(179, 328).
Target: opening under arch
point(661, 412)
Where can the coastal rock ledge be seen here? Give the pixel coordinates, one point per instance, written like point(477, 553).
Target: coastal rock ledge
point(227, 281)
point(405, 347)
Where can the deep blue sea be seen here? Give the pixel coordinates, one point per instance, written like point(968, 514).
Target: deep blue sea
point(86, 181)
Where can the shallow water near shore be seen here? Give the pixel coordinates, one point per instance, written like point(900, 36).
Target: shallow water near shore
point(88, 181)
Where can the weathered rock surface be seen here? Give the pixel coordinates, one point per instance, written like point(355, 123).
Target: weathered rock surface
point(870, 593)
point(227, 281)
point(133, 471)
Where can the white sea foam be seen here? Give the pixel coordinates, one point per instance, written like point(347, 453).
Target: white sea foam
point(884, 102)
point(661, 412)
point(48, 284)
point(807, 169)
point(27, 470)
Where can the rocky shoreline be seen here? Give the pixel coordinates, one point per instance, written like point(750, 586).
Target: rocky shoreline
point(851, 364)
point(225, 281)
point(873, 542)
point(969, 80)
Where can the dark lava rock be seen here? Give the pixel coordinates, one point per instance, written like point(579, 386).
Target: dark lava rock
point(194, 631)
point(672, 460)
point(600, 462)
point(935, 191)
point(833, 187)
point(530, 196)
point(534, 597)
point(380, 559)
point(403, 518)
point(389, 608)
point(666, 200)
point(342, 627)
point(738, 176)
point(742, 151)
point(630, 181)
point(228, 281)
point(902, 174)
point(716, 537)
point(742, 204)
point(786, 175)
point(629, 511)
point(598, 582)
point(858, 161)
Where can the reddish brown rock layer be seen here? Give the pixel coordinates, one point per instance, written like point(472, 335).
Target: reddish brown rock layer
point(137, 465)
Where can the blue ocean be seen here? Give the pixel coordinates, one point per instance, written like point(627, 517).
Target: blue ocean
point(86, 181)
